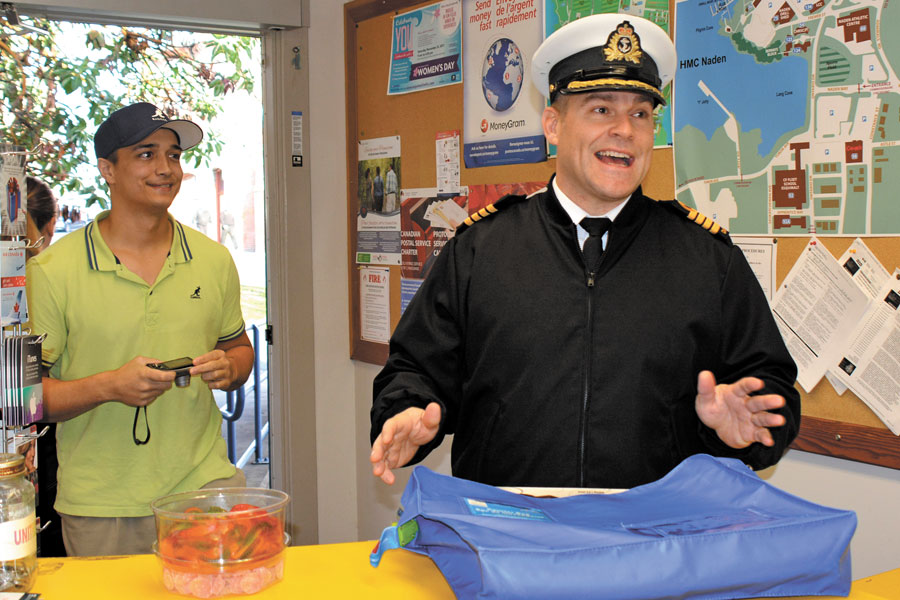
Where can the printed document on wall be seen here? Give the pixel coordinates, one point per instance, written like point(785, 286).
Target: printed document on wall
point(378, 189)
point(869, 275)
point(761, 256)
point(816, 309)
point(871, 365)
point(374, 304)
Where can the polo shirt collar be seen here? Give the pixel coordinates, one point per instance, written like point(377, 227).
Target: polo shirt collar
point(101, 258)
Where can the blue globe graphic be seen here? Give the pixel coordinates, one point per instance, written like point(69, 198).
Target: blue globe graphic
point(502, 74)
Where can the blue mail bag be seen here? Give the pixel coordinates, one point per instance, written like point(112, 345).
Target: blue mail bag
point(711, 528)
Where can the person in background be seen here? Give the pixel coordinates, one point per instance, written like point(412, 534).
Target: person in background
point(43, 209)
point(367, 202)
point(391, 189)
point(227, 228)
point(378, 190)
point(587, 335)
point(131, 290)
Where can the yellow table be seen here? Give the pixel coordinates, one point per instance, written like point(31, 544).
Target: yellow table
point(325, 571)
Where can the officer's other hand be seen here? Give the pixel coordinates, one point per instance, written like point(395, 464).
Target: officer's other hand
point(401, 437)
point(737, 417)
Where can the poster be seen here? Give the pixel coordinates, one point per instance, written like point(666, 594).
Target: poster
point(425, 48)
point(374, 304)
point(378, 215)
point(446, 149)
point(15, 192)
point(13, 305)
point(502, 108)
point(429, 219)
point(786, 116)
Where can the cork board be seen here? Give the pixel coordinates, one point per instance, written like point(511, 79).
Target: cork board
point(840, 426)
point(416, 118)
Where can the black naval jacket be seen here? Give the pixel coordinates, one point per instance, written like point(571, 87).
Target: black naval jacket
point(548, 378)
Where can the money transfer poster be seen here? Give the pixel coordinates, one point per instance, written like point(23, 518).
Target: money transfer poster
point(425, 48)
point(502, 109)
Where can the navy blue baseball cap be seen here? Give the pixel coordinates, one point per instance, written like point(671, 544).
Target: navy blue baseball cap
point(128, 126)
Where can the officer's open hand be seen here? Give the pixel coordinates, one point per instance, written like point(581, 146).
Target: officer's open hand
point(737, 417)
point(401, 437)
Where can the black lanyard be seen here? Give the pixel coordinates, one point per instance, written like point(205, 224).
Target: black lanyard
point(138, 442)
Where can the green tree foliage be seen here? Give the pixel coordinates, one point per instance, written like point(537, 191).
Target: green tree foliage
point(54, 98)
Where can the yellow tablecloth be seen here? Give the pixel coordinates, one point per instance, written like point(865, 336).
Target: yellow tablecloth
point(325, 571)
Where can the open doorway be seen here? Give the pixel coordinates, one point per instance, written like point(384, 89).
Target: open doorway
point(222, 195)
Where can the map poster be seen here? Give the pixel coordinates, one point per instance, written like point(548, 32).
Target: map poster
point(425, 48)
point(562, 12)
point(502, 108)
point(786, 115)
point(378, 216)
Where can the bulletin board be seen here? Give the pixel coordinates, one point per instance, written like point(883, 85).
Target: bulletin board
point(840, 426)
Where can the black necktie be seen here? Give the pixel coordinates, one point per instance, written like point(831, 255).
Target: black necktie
point(593, 246)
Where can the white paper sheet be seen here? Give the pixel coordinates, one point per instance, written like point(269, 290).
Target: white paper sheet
point(869, 275)
point(816, 308)
point(761, 255)
point(870, 367)
point(374, 305)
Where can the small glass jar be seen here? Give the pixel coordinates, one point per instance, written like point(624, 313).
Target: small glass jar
point(18, 538)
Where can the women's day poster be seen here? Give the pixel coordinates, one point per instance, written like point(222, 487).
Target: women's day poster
point(502, 109)
point(378, 187)
point(425, 48)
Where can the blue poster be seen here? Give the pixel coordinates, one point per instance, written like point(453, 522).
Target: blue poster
point(425, 48)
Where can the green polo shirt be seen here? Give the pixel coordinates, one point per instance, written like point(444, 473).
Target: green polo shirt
point(97, 315)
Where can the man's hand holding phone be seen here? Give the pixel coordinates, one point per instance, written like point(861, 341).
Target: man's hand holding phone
point(181, 367)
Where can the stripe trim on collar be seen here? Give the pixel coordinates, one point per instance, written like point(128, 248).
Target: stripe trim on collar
point(89, 246)
point(185, 248)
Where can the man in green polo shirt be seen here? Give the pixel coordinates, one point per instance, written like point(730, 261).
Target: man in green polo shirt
point(133, 289)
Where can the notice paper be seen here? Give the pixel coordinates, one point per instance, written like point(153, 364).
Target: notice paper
point(760, 255)
point(816, 309)
point(374, 305)
point(871, 365)
point(869, 275)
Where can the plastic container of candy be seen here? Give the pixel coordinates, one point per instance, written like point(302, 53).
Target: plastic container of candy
point(220, 541)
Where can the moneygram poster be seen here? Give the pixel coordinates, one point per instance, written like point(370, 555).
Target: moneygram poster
point(502, 109)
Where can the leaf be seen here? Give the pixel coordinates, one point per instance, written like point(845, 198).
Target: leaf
point(66, 94)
